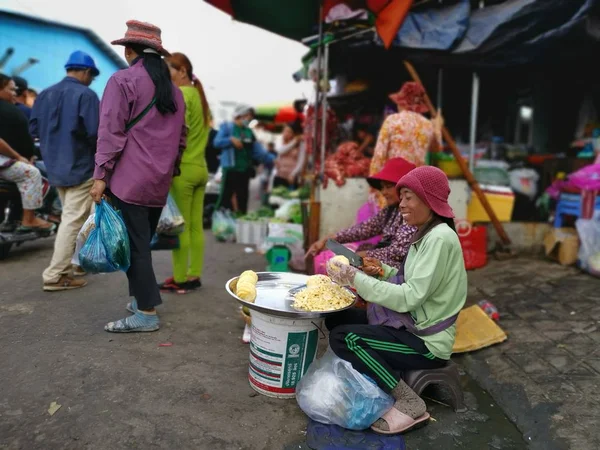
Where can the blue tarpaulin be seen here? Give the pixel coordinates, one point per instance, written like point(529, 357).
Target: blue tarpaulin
point(510, 33)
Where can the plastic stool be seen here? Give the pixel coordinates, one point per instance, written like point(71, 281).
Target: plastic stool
point(447, 376)
point(570, 205)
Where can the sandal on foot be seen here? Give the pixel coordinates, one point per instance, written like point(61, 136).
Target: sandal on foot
point(40, 229)
point(398, 422)
point(170, 286)
point(132, 306)
point(139, 322)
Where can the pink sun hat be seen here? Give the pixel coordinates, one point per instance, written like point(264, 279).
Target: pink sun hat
point(431, 185)
point(143, 33)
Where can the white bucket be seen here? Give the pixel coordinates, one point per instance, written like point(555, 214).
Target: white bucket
point(250, 233)
point(281, 350)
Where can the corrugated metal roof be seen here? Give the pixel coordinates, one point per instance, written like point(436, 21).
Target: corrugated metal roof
point(120, 62)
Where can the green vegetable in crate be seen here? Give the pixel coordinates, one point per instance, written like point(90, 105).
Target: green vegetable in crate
point(295, 213)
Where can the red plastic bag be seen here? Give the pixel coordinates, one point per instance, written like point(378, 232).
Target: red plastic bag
point(473, 240)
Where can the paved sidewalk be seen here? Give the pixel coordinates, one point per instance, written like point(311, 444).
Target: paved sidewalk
point(546, 376)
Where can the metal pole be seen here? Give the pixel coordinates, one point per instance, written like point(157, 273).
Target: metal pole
point(324, 112)
point(440, 88)
point(474, 107)
point(317, 90)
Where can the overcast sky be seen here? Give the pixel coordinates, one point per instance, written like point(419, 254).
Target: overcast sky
point(235, 61)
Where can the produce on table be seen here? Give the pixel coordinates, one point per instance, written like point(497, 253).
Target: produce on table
point(259, 214)
point(322, 296)
point(246, 286)
point(281, 191)
point(347, 162)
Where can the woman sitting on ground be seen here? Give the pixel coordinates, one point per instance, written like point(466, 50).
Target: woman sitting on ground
point(388, 223)
point(410, 320)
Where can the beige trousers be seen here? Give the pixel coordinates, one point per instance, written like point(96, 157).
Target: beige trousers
point(77, 206)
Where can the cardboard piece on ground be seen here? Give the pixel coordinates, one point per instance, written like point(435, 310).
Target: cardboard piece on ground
point(475, 330)
point(562, 245)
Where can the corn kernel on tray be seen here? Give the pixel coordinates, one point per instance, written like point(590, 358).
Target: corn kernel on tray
point(275, 295)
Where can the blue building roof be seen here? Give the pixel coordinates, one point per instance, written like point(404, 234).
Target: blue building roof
point(51, 43)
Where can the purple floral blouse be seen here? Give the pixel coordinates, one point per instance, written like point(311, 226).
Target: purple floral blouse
point(389, 224)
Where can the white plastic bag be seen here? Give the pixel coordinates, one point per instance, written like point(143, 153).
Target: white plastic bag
point(524, 181)
point(83, 235)
point(223, 226)
point(332, 392)
point(589, 249)
point(171, 221)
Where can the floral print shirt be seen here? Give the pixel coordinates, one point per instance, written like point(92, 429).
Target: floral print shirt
point(388, 223)
point(405, 135)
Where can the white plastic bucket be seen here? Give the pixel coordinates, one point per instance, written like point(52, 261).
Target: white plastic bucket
point(281, 350)
point(251, 233)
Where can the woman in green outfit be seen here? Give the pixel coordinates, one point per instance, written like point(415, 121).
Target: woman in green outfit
point(188, 188)
point(410, 320)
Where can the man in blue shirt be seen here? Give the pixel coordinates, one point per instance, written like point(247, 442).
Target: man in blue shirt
point(65, 119)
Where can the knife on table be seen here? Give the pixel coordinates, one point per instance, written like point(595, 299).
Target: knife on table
point(339, 249)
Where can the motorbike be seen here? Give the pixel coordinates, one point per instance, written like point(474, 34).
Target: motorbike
point(11, 211)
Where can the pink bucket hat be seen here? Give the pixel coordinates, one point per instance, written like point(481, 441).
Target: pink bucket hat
point(431, 185)
point(143, 33)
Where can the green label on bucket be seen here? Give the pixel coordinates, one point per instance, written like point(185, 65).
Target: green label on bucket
point(294, 359)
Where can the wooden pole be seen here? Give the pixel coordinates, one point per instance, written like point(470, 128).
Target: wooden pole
point(461, 162)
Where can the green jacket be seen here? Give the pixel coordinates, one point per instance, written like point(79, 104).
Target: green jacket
point(434, 288)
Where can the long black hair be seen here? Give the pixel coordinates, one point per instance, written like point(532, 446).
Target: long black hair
point(161, 77)
point(447, 221)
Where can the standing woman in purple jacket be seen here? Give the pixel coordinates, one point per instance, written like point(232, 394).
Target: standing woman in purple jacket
point(140, 138)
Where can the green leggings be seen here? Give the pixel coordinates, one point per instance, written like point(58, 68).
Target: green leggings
point(188, 192)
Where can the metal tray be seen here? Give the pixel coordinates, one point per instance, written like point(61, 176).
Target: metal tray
point(273, 295)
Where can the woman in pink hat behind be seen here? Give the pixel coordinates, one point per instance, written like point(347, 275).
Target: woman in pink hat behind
point(388, 223)
point(140, 138)
point(410, 323)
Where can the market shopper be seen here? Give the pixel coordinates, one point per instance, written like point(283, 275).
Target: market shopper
point(388, 223)
point(188, 188)
point(407, 134)
point(240, 153)
point(65, 119)
point(21, 96)
point(410, 320)
point(142, 131)
point(291, 155)
point(16, 151)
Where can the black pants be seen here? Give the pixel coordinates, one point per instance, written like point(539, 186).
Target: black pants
point(141, 222)
point(383, 353)
point(237, 183)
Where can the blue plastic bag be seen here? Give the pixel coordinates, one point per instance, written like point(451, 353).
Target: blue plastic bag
point(107, 247)
point(333, 392)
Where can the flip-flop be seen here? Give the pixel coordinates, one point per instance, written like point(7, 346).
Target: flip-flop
point(399, 422)
point(25, 229)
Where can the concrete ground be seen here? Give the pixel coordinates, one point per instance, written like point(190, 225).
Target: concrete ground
point(546, 376)
point(129, 392)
